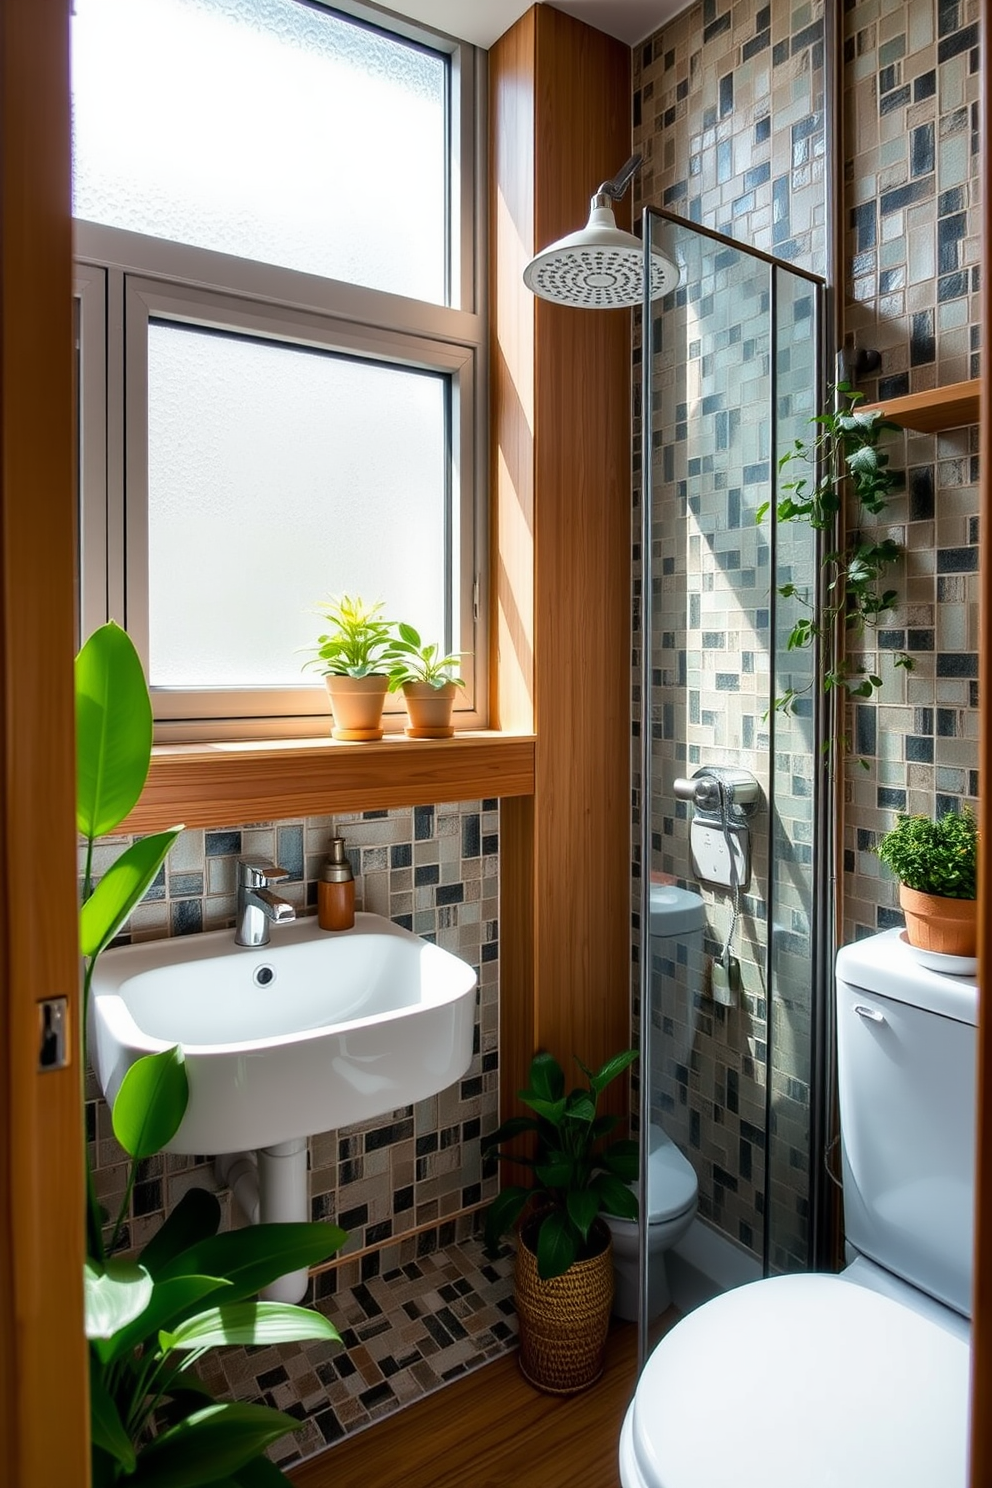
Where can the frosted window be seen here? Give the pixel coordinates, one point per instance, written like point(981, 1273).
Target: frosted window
point(278, 476)
point(268, 129)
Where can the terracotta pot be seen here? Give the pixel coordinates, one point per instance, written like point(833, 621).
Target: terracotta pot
point(429, 709)
point(564, 1321)
point(357, 706)
point(949, 926)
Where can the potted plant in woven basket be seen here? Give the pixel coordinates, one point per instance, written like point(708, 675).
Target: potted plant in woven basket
point(429, 680)
point(564, 1265)
point(354, 656)
point(936, 863)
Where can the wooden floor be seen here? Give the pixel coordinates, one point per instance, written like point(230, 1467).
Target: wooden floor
point(492, 1430)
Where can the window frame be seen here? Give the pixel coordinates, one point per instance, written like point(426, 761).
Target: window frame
point(138, 278)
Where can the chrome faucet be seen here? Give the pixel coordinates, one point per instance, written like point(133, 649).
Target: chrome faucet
point(258, 907)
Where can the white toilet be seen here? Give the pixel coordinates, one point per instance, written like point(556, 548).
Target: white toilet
point(673, 1195)
point(678, 918)
point(858, 1380)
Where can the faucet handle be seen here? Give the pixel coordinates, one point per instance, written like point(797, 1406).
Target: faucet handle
point(255, 875)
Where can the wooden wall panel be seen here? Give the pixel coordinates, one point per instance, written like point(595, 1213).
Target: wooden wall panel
point(43, 1416)
point(981, 1392)
point(561, 428)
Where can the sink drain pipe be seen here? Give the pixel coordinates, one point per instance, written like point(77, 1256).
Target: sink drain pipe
point(270, 1187)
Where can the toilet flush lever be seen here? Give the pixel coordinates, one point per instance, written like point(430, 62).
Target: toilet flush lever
point(871, 1014)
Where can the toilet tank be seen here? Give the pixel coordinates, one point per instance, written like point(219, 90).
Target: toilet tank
point(906, 1077)
point(678, 983)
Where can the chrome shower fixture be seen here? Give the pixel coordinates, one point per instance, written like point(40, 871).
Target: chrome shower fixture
point(600, 266)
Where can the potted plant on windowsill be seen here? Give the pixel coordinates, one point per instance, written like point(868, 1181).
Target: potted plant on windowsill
point(564, 1264)
point(936, 863)
point(354, 657)
point(429, 681)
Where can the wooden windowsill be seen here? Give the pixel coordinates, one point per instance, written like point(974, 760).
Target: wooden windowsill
point(934, 411)
point(226, 783)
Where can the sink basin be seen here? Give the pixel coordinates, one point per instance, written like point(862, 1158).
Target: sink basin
point(311, 1032)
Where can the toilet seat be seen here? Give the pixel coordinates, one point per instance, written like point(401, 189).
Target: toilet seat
point(800, 1379)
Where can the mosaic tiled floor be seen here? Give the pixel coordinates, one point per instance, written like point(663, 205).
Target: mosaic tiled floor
point(405, 1332)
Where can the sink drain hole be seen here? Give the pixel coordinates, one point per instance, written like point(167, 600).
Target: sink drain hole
point(263, 976)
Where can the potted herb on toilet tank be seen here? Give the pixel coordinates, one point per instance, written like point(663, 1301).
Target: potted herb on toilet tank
point(151, 1316)
point(354, 655)
point(564, 1264)
point(936, 863)
point(429, 680)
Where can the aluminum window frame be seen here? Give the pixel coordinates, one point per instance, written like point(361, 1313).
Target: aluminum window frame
point(144, 278)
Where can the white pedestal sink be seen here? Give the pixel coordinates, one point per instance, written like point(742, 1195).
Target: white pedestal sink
point(314, 1031)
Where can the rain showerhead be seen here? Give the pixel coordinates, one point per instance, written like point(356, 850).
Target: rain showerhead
point(600, 266)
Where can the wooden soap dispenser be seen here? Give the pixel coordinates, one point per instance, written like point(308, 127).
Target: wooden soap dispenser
point(336, 890)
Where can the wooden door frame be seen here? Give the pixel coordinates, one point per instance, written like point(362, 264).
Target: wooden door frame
point(43, 1382)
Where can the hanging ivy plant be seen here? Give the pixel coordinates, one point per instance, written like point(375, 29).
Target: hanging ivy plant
point(845, 448)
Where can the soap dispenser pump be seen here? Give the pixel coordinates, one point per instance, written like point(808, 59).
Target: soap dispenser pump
point(336, 890)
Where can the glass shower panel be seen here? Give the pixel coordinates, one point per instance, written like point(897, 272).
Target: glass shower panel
point(796, 786)
point(729, 367)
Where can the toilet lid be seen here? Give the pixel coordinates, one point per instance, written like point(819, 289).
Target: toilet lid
point(672, 1182)
point(803, 1379)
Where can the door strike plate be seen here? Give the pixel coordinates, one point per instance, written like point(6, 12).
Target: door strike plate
point(53, 1030)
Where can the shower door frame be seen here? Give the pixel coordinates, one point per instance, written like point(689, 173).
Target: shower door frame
point(822, 1193)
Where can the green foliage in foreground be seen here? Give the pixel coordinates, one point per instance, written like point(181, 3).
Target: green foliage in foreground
point(152, 1423)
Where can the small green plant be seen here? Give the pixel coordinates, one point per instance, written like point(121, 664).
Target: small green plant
point(359, 642)
point(934, 857)
point(844, 449)
point(576, 1174)
point(150, 1319)
point(415, 662)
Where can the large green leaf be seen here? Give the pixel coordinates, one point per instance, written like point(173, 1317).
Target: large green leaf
point(581, 1106)
point(557, 1245)
point(113, 730)
point(150, 1106)
point(106, 1427)
point(612, 1068)
point(547, 1078)
point(250, 1323)
point(169, 1301)
point(209, 1445)
point(515, 1126)
point(616, 1196)
point(621, 1158)
point(123, 886)
point(253, 1257)
point(583, 1206)
point(196, 1217)
point(552, 1111)
point(114, 1296)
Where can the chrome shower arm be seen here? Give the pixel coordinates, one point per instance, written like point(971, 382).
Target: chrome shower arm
point(614, 190)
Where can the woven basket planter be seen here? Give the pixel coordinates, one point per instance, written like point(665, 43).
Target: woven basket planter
point(947, 926)
point(564, 1321)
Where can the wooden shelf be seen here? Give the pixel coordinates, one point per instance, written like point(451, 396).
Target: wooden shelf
point(936, 410)
point(217, 785)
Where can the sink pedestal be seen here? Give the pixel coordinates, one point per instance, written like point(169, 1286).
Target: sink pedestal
point(270, 1187)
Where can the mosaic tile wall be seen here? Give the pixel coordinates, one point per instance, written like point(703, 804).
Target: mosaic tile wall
point(912, 214)
point(728, 112)
point(400, 1185)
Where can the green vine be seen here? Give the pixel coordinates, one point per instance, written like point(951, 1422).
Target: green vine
point(844, 449)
